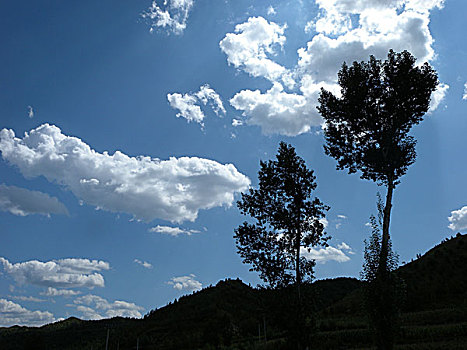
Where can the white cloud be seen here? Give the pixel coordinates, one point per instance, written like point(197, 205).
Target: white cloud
point(14, 314)
point(464, 97)
point(458, 219)
point(271, 11)
point(64, 273)
point(54, 292)
point(343, 217)
point(250, 47)
point(276, 111)
point(346, 30)
point(172, 231)
point(27, 298)
point(323, 255)
point(188, 104)
point(324, 221)
point(171, 15)
point(22, 202)
point(144, 264)
point(148, 188)
point(207, 94)
point(237, 122)
point(95, 307)
point(188, 283)
point(437, 96)
point(30, 112)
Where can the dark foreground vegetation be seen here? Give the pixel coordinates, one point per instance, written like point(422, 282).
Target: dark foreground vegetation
point(233, 315)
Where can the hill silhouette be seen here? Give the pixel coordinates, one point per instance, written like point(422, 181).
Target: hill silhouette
point(233, 315)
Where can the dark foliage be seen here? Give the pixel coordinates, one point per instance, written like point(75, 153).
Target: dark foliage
point(367, 128)
point(287, 219)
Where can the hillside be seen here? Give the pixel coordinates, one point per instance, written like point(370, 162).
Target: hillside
point(233, 315)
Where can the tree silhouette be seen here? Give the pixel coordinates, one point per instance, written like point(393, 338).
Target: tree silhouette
point(367, 127)
point(287, 220)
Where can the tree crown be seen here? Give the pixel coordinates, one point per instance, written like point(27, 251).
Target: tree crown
point(285, 212)
point(367, 127)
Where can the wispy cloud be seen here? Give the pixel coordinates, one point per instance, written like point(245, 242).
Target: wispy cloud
point(54, 292)
point(170, 14)
point(30, 112)
point(464, 97)
point(22, 202)
point(144, 264)
point(172, 231)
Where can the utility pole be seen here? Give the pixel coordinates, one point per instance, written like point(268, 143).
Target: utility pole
point(137, 343)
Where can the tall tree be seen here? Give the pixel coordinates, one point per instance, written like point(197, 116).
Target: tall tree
point(287, 220)
point(367, 128)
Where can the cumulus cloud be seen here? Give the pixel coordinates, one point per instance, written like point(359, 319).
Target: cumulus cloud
point(464, 97)
point(14, 314)
point(144, 264)
point(344, 30)
point(172, 231)
point(171, 15)
point(276, 111)
point(148, 188)
point(54, 292)
point(188, 283)
point(188, 104)
point(458, 219)
point(22, 202)
point(94, 307)
point(62, 273)
point(252, 44)
point(323, 255)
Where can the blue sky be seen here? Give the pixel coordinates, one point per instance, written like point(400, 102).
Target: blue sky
point(146, 120)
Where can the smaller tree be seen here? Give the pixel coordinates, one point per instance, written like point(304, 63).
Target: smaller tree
point(383, 296)
point(287, 221)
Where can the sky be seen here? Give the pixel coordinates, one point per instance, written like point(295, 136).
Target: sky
point(128, 130)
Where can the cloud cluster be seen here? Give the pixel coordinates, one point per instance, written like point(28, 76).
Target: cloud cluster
point(252, 44)
point(171, 15)
point(344, 30)
point(188, 104)
point(94, 307)
point(458, 219)
point(144, 264)
point(62, 273)
point(172, 231)
point(187, 283)
point(22, 202)
point(145, 187)
point(14, 314)
point(323, 255)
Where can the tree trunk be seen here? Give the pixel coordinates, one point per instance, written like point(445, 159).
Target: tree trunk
point(385, 301)
point(383, 257)
point(298, 277)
